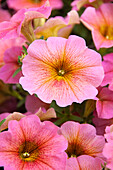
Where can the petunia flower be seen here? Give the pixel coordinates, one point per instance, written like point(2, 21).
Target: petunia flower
point(19, 4)
point(9, 43)
point(21, 23)
point(77, 4)
point(58, 26)
point(11, 65)
point(4, 15)
point(108, 148)
point(101, 124)
point(101, 25)
point(104, 103)
point(83, 162)
point(108, 69)
point(43, 115)
point(61, 69)
point(30, 144)
point(33, 103)
point(83, 144)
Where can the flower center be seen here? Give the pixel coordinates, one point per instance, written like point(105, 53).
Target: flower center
point(36, 1)
point(75, 150)
point(28, 151)
point(107, 32)
point(61, 72)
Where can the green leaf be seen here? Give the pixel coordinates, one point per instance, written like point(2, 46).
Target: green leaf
point(2, 121)
point(42, 37)
point(56, 107)
point(16, 72)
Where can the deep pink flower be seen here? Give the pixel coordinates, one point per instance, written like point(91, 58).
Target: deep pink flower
point(61, 69)
point(11, 65)
point(20, 23)
point(101, 124)
point(108, 69)
point(33, 104)
point(83, 141)
point(4, 15)
point(30, 144)
point(101, 25)
point(104, 104)
point(19, 4)
point(9, 43)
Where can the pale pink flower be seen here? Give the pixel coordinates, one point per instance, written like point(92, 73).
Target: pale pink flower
point(83, 141)
point(104, 103)
point(108, 148)
point(19, 4)
point(101, 25)
point(11, 65)
point(61, 69)
point(20, 23)
point(58, 26)
point(30, 144)
point(4, 15)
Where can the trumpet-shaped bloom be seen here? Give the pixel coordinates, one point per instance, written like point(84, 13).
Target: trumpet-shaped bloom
point(101, 25)
point(104, 104)
point(77, 4)
point(30, 144)
point(84, 162)
point(108, 69)
point(50, 113)
point(101, 124)
point(20, 22)
point(83, 141)
point(11, 65)
point(4, 15)
point(33, 104)
point(19, 4)
point(9, 43)
point(58, 26)
point(61, 69)
point(108, 148)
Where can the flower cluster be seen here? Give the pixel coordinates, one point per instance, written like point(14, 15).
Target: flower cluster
point(56, 84)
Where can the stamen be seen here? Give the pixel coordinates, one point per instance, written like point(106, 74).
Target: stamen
point(61, 72)
point(26, 155)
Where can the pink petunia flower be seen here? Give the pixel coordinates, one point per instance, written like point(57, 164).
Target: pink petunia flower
point(108, 69)
point(50, 113)
point(9, 43)
point(77, 4)
point(19, 4)
point(21, 23)
point(30, 144)
point(61, 69)
point(83, 144)
point(101, 25)
point(4, 15)
point(84, 162)
point(33, 103)
point(108, 148)
point(101, 124)
point(58, 26)
point(104, 103)
point(11, 65)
